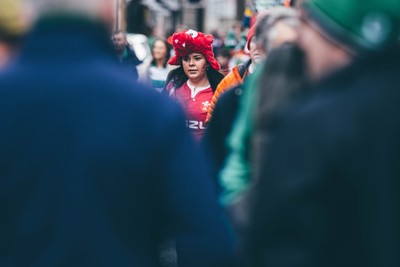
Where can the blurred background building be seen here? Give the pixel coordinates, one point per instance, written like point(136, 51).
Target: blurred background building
point(162, 17)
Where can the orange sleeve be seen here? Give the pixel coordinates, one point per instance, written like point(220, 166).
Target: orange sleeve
point(227, 82)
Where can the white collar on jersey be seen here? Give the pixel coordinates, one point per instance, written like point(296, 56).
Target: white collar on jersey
point(195, 90)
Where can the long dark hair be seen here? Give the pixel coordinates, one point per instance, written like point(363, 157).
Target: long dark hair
point(178, 77)
point(214, 77)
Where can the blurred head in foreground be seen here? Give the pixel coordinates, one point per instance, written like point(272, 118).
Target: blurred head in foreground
point(336, 31)
point(12, 28)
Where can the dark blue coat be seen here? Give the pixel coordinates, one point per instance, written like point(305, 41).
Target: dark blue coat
point(130, 62)
point(329, 193)
point(94, 169)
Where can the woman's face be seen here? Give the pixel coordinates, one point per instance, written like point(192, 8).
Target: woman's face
point(194, 66)
point(255, 54)
point(159, 50)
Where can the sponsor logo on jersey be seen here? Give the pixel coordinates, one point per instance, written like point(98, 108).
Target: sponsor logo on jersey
point(195, 125)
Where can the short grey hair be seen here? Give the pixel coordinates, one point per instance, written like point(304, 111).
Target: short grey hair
point(265, 32)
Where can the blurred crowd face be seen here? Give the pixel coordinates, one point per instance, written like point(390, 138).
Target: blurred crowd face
point(223, 61)
point(238, 29)
point(256, 54)
point(194, 65)
point(322, 55)
point(310, 41)
point(159, 50)
point(119, 41)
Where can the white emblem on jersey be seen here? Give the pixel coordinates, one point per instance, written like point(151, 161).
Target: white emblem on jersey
point(205, 106)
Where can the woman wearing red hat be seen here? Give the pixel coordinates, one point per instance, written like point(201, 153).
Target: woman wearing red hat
point(193, 83)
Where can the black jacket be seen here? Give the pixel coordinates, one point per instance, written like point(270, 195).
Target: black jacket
point(219, 127)
point(329, 194)
point(129, 62)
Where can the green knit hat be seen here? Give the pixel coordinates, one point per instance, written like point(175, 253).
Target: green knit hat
point(358, 25)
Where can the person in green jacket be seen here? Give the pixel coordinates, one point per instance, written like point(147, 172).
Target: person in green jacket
point(278, 27)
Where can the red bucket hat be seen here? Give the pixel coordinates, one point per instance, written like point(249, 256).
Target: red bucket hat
point(190, 41)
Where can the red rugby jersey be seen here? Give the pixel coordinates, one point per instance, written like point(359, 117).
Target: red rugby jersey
point(195, 102)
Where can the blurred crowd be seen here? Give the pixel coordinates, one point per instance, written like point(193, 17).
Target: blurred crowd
point(273, 144)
